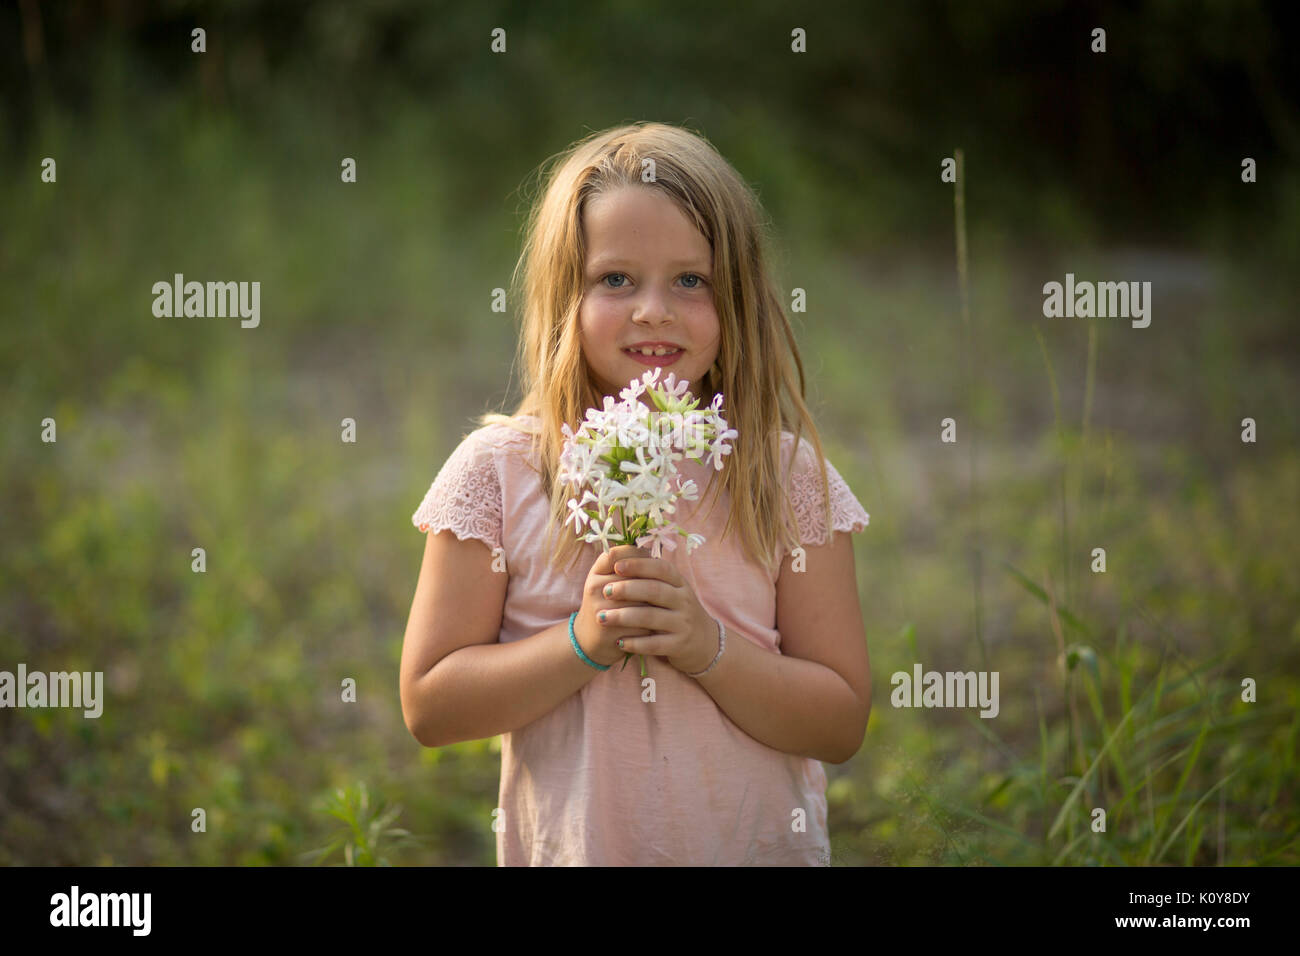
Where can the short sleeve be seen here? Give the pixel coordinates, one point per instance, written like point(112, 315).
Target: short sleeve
point(806, 500)
point(465, 497)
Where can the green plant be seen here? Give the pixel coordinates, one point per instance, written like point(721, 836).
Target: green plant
point(366, 836)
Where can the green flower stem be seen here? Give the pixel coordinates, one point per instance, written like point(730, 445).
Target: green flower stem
point(622, 515)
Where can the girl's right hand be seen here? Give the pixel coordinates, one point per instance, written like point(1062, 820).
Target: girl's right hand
point(600, 641)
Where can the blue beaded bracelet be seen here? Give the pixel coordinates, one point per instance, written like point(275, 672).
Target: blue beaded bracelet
point(573, 639)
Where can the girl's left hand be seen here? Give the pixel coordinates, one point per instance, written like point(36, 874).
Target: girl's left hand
point(687, 635)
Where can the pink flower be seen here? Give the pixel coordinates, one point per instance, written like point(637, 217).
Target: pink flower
point(656, 538)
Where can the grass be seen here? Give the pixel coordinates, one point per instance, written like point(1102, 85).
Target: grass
point(1120, 690)
point(1143, 747)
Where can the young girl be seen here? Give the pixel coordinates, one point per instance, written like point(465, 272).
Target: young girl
point(645, 249)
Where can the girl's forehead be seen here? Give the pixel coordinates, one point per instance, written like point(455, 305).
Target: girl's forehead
point(634, 201)
point(632, 219)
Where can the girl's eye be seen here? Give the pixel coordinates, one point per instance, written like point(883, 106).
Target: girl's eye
point(699, 280)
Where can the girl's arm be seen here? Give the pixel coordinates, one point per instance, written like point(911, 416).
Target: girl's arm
point(457, 681)
point(812, 699)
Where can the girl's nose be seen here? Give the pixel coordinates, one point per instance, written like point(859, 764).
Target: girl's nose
point(654, 310)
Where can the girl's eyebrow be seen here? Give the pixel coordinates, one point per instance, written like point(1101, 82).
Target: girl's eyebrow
point(606, 262)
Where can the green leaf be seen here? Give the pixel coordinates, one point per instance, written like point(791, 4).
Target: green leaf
point(1178, 789)
point(1069, 619)
point(1078, 787)
point(1065, 850)
point(909, 635)
point(1196, 806)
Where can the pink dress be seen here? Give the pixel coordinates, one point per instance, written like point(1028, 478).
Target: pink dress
point(604, 779)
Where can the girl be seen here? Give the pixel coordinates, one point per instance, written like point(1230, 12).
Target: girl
point(646, 249)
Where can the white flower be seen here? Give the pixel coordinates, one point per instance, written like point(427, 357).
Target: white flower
point(674, 388)
point(605, 533)
point(658, 505)
point(594, 415)
point(577, 463)
point(579, 517)
point(609, 493)
point(633, 391)
point(718, 449)
point(631, 432)
point(641, 466)
point(642, 490)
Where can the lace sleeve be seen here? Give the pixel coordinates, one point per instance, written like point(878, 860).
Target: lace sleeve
point(807, 502)
point(465, 497)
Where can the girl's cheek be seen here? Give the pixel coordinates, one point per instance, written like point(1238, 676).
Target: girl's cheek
point(604, 320)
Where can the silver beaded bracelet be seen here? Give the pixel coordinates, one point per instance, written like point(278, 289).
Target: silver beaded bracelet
point(722, 645)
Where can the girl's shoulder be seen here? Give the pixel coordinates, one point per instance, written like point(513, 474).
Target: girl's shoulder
point(809, 496)
point(515, 432)
point(507, 442)
point(804, 452)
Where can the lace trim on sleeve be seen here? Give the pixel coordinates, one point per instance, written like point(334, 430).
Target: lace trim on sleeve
point(806, 501)
point(465, 497)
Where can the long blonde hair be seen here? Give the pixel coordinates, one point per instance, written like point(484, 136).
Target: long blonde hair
point(758, 357)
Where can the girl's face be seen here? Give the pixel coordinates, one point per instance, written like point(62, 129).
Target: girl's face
point(648, 277)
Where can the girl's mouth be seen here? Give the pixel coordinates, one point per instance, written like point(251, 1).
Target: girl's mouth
point(654, 361)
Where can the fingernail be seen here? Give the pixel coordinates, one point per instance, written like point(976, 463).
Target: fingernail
point(618, 569)
point(602, 615)
point(609, 590)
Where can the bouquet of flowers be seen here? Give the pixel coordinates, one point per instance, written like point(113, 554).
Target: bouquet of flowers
point(622, 461)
